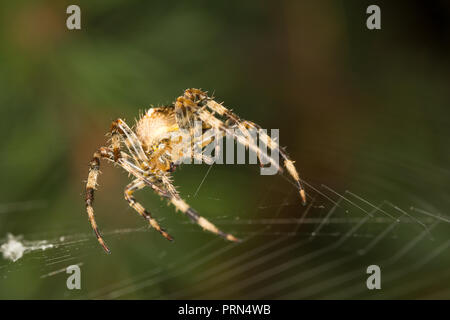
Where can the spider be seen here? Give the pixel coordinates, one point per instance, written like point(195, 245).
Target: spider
point(153, 153)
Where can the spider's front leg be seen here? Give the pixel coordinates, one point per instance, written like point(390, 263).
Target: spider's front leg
point(125, 161)
point(118, 128)
point(243, 126)
point(94, 170)
point(121, 132)
point(273, 145)
point(195, 104)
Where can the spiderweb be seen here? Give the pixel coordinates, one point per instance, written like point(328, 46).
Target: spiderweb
point(322, 251)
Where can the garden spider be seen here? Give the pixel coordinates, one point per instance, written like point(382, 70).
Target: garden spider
point(153, 153)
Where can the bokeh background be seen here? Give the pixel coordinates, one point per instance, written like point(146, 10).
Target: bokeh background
point(359, 110)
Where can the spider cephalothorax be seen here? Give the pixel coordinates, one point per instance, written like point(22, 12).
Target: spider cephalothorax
point(156, 146)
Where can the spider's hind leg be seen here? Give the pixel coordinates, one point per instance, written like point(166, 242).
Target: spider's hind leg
point(129, 190)
point(181, 205)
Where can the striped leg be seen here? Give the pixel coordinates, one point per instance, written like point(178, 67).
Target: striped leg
point(288, 163)
point(119, 129)
point(136, 164)
point(210, 119)
point(129, 190)
point(217, 124)
point(191, 95)
point(186, 106)
point(209, 137)
point(126, 163)
point(94, 168)
point(115, 140)
point(181, 205)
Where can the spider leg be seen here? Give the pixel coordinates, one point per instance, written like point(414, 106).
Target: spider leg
point(243, 125)
point(208, 138)
point(185, 120)
point(203, 141)
point(126, 163)
point(273, 145)
point(217, 124)
point(141, 167)
point(187, 102)
point(119, 129)
point(181, 205)
point(203, 159)
point(94, 170)
point(185, 105)
point(120, 132)
point(115, 140)
point(185, 117)
point(129, 190)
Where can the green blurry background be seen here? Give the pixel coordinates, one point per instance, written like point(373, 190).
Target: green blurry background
point(360, 110)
